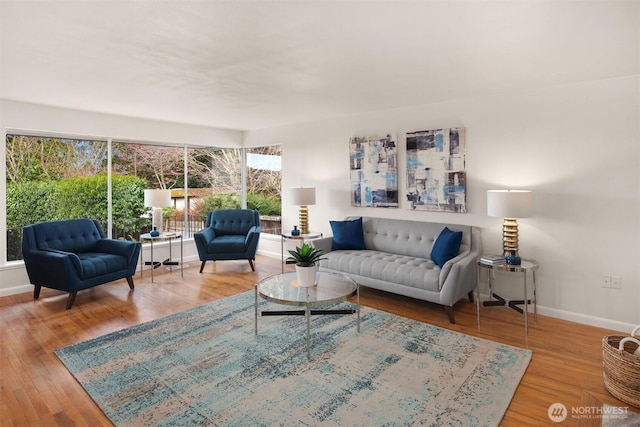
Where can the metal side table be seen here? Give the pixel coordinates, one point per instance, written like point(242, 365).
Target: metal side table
point(524, 268)
point(301, 237)
point(169, 261)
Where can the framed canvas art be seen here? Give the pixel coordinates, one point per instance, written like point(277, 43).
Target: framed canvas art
point(374, 171)
point(436, 175)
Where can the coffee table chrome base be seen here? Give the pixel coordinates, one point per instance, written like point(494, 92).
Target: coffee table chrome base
point(308, 312)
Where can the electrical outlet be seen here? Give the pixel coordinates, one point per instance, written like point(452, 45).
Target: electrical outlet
point(606, 281)
point(616, 282)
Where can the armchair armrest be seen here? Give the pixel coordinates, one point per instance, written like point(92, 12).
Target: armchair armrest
point(129, 250)
point(251, 241)
point(53, 268)
point(124, 248)
point(205, 235)
point(253, 234)
point(202, 239)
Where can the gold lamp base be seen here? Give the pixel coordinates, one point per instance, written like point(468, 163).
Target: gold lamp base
point(510, 236)
point(304, 220)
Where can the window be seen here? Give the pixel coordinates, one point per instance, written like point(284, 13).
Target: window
point(264, 182)
point(136, 167)
point(52, 179)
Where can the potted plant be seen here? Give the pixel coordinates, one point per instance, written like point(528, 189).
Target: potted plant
point(306, 258)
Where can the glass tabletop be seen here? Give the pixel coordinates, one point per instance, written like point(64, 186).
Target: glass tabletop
point(526, 265)
point(284, 289)
point(162, 236)
point(307, 236)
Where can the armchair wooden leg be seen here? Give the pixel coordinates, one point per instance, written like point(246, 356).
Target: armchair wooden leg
point(36, 291)
point(449, 310)
point(470, 296)
point(71, 299)
point(202, 266)
point(252, 266)
point(130, 282)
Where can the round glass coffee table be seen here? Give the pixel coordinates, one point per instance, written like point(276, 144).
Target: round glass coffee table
point(283, 289)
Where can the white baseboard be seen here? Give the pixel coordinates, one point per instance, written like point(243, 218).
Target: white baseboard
point(586, 319)
point(19, 289)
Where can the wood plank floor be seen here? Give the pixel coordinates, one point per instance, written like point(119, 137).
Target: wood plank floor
point(36, 389)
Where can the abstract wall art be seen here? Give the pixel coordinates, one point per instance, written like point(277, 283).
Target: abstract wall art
point(374, 171)
point(436, 170)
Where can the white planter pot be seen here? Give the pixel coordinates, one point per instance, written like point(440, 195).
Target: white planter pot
point(306, 276)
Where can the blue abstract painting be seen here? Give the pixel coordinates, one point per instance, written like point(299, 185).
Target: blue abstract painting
point(436, 170)
point(374, 171)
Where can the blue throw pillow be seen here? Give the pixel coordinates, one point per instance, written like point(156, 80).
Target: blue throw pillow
point(347, 234)
point(446, 246)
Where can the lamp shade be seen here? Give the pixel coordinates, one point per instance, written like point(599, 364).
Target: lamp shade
point(510, 203)
point(157, 198)
point(303, 196)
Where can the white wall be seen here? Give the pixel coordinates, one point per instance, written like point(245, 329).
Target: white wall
point(15, 116)
point(576, 146)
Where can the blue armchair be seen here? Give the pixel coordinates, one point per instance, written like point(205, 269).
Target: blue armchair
point(75, 254)
point(229, 234)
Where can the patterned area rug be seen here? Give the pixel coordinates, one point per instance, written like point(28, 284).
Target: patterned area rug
point(206, 366)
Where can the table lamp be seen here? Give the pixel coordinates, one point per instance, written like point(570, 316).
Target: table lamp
point(157, 199)
point(510, 205)
point(303, 197)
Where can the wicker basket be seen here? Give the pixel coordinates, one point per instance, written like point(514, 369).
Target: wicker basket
point(621, 368)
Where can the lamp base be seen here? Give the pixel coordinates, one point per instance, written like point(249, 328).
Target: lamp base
point(304, 220)
point(510, 236)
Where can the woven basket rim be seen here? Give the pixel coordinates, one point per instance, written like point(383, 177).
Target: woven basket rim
point(621, 370)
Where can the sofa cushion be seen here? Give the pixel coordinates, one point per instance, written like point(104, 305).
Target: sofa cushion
point(417, 273)
point(347, 234)
point(446, 246)
point(98, 264)
point(227, 244)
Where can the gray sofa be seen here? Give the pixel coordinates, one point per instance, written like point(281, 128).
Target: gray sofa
point(397, 259)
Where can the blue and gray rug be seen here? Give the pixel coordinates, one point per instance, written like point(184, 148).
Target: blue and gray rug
point(205, 366)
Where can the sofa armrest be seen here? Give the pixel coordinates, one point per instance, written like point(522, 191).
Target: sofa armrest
point(458, 277)
point(323, 243)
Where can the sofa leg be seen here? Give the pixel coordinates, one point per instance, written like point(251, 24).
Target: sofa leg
point(470, 296)
point(449, 310)
point(130, 282)
point(252, 266)
point(71, 299)
point(36, 291)
point(202, 266)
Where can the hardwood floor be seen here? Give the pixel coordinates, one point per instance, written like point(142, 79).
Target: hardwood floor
point(36, 389)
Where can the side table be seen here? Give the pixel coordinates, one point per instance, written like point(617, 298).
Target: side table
point(525, 267)
point(302, 237)
point(169, 261)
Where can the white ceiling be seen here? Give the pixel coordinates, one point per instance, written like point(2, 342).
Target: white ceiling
point(255, 64)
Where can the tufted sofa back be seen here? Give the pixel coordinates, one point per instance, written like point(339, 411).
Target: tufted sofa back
point(73, 235)
point(232, 221)
point(410, 238)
